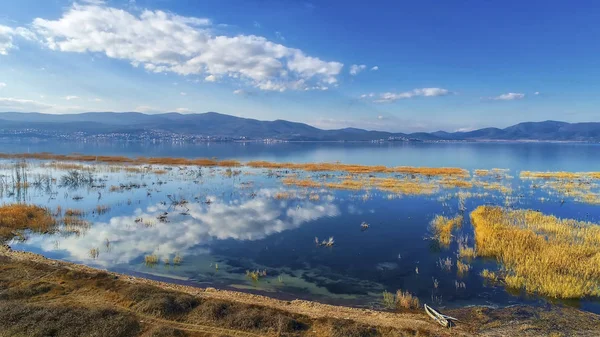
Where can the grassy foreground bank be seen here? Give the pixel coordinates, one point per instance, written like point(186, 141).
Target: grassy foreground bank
point(43, 297)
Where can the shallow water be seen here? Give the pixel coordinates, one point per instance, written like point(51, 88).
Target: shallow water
point(249, 220)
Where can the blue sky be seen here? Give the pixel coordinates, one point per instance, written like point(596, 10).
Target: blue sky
point(386, 65)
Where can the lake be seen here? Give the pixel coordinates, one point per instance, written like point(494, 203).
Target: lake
point(250, 229)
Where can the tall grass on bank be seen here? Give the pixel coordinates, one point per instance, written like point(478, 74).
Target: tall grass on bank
point(16, 218)
point(401, 300)
point(541, 253)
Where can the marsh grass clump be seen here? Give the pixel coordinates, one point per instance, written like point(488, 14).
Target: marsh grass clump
point(74, 225)
point(445, 264)
point(406, 300)
point(75, 179)
point(177, 259)
point(401, 300)
point(301, 182)
point(389, 300)
point(462, 268)
point(256, 275)
point(74, 212)
point(540, 253)
point(442, 228)
point(101, 209)
point(489, 275)
point(94, 253)
point(466, 252)
point(15, 219)
point(151, 260)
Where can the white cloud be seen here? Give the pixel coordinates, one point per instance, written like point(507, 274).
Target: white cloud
point(536, 93)
point(94, 2)
point(210, 78)
point(355, 69)
point(96, 100)
point(182, 110)
point(375, 68)
point(28, 105)
point(145, 108)
point(10, 103)
point(422, 92)
point(69, 98)
point(240, 92)
point(279, 36)
point(511, 96)
point(369, 95)
point(164, 42)
point(183, 93)
point(7, 35)
point(2, 85)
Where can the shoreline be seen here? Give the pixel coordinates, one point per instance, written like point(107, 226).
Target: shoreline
point(474, 321)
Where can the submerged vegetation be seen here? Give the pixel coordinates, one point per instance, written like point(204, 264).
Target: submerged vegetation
point(540, 253)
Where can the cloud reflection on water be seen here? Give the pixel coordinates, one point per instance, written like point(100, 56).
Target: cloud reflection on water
point(249, 219)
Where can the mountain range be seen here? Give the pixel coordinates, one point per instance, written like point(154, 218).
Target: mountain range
point(215, 125)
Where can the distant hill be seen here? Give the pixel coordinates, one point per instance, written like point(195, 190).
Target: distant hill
point(212, 124)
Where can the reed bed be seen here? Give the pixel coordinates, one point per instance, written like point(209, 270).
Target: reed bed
point(404, 186)
point(442, 228)
point(17, 218)
point(361, 169)
point(581, 186)
point(120, 159)
point(541, 253)
point(401, 300)
point(301, 182)
point(559, 175)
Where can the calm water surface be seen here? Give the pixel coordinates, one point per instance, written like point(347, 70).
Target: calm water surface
point(249, 220)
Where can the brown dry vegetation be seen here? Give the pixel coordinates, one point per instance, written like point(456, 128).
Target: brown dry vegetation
point(40, 297)
point(442, 228)
point(559, 175)
point(361, 169)
point(15, 219)
point(311, 167)
point(120, 159)
point(541, 253)
point(301, 182)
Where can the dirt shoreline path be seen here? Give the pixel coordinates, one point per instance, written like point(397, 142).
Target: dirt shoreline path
point(475, 321)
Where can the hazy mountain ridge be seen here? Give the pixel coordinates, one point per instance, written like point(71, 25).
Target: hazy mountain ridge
point(213, 124)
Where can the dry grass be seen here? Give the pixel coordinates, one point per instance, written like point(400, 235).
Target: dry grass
point(466, 252)
point(361, 169)
point(160, 172)
point(151, 260)
point(17, 218)
point(404, 186)
point(541, 253)
point(462, 268)
point(489, 275)
point(402, 300)
point(301, 182)
point(120, 159)
point(442, 228)
point(559, 175)
point(101, 209)
point(406, 300)
point(74, 212)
